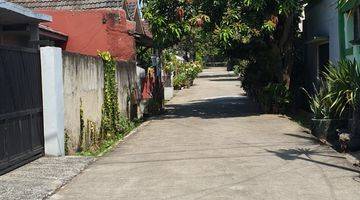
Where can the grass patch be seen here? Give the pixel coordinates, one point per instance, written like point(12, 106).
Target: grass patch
point(109, 144)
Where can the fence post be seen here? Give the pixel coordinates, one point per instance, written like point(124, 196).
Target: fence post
point(53, 100)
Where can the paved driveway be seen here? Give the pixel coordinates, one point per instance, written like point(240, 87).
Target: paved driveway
point(214, 144)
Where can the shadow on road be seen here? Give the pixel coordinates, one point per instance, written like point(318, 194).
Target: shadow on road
point(306, 154)
point(225, 79)
point(207, 75)
point(309, 138)
point(220, 107)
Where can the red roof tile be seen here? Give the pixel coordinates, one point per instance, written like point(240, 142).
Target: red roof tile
point(70, 4)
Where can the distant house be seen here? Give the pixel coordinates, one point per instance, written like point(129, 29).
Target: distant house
point(321, 29)
point(20, 26)
point(142, 30)
point(89, 26)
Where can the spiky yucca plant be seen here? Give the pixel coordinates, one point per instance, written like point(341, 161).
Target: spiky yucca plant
point(342, 3)
point(320, 103)
point(344, 82)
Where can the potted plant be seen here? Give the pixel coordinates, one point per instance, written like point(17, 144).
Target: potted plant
point(325, 121)
point(344, 81)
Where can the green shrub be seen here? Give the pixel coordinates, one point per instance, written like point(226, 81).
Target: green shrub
point(256, 77)
point(171, 63)
point(180, 80)
point(275, 98)
point(338, 93)
point(199, 57)
point(321, 103)
point(184, 73)
point(126, 125)
point(192, 70)
point(344, 83)
point(239, 68)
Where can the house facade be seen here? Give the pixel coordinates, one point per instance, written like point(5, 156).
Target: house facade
point(321, 35)
point(20, 26)
point(349, 35)
point(91, 31)
point(89, 26)
point(332, 28)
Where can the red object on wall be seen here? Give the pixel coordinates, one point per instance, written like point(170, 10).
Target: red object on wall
point(91, 31)
point(148, 84)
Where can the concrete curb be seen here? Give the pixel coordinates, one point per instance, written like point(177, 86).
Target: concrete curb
point(65, 182)
point(353, 159)
point(136, 130)
point(350, 157)
point(110, 149)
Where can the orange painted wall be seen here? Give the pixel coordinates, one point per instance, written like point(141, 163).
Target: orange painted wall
point(95, 30)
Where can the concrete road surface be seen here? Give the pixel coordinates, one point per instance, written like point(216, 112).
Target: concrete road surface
point(214, 144)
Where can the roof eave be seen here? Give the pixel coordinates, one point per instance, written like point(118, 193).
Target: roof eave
point(36, 17)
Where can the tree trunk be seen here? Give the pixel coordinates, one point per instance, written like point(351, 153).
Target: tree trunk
point(286, 46)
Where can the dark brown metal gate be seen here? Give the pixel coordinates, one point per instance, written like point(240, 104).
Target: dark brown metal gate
point(21, 115)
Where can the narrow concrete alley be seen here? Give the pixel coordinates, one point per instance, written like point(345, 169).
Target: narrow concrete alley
point(213, 143)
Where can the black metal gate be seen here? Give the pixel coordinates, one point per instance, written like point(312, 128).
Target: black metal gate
point(21, 115)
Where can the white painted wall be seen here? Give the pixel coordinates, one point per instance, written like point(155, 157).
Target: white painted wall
point(83, 82)
point(322, 20)
point(169, 91)
point(53, 100)
point(140, 75)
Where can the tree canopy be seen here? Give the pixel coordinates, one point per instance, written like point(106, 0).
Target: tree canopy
point(241, 29)
point(232, 21)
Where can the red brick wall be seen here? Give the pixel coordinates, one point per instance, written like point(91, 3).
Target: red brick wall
point(95, 30)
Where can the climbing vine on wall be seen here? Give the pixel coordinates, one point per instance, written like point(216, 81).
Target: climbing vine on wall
point(110, 125)
point(82, 126)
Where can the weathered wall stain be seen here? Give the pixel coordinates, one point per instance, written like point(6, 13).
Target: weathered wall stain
point(84, 79)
